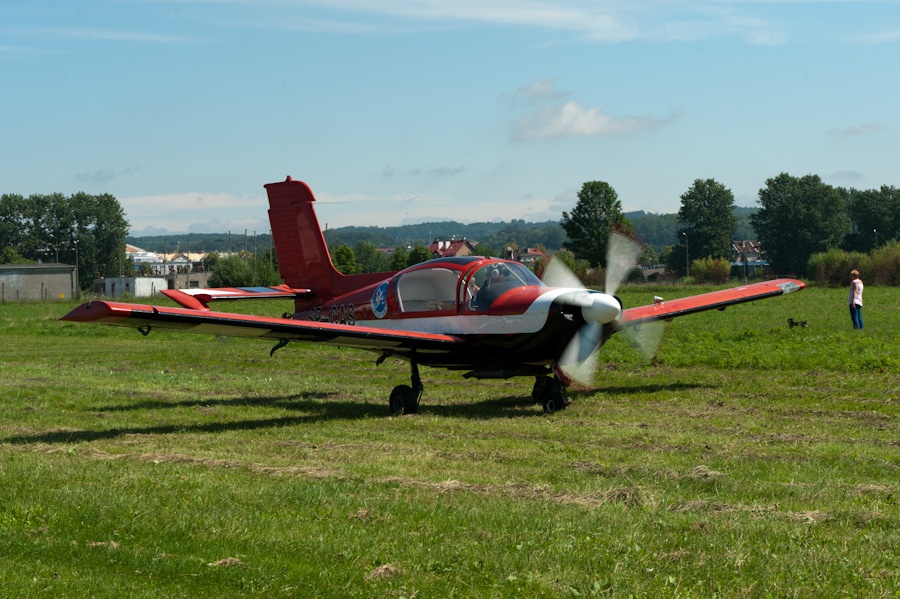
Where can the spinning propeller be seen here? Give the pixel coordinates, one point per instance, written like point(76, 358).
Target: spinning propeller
point(579, 360)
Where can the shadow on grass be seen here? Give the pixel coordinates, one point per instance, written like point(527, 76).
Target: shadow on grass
point(281, 402)
point(502, 407)
point(320, 411)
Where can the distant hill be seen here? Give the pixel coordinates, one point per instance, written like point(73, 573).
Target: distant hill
point(201, 242)
point(659, 230)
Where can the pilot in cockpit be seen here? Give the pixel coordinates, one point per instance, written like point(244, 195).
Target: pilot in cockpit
point(494, 285)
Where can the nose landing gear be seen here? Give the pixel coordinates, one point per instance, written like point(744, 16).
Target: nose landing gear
point(550, 393)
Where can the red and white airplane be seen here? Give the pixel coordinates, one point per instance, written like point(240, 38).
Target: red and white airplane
point(489, 317)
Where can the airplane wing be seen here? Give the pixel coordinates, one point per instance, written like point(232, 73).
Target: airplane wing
point(716, 300)
point(149, 318)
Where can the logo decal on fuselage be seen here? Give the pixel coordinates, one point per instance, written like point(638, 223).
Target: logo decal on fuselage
point(379, 301)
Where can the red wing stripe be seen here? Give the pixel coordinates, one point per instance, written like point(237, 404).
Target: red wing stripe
point(240, 325)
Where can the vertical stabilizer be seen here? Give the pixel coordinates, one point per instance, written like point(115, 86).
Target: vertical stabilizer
point(303, 258)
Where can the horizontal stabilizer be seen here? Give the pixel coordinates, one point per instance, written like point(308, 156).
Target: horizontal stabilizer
point(198, 299)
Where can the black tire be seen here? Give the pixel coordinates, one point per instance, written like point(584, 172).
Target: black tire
point(541, 385)
point(554, 396)
point(411, 402)
point(400, 399)
point(550, 404)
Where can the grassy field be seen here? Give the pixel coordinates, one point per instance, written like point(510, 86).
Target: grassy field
point(748, 459)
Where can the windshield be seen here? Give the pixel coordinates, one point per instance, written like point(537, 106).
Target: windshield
point(492, 280)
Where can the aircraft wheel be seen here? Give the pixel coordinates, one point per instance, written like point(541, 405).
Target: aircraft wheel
point(554, 397)
point(411, 403)
point(550, 405)
point(403, 400)
point(541, 383)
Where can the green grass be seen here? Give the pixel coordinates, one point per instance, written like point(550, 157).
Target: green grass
point(746, 460)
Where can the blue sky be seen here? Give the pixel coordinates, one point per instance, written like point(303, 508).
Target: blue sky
point(415, 110)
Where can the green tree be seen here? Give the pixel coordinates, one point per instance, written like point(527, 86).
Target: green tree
point(243, 270)
point(596, 215)
point(648, 256)
point(419, 254)
point(400, 258)
point(486, 249)
point(232, 271)
point(81, 229)
point(799, 217)
point(345, 260)
point(9, 255)
point(266, 268)
point(875, 214)
point(209, 263)
point(369, 258)
point(707, 214)
point(99, 233)
point(658, 230)
point(11, 227)
point(674, 259)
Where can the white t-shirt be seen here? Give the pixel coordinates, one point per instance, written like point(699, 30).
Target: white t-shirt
point(856, 289)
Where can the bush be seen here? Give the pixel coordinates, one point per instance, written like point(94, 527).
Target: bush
point(709, 270)
point(883, 266)
point(233, 271)
point(833, 267)
point(243, 271)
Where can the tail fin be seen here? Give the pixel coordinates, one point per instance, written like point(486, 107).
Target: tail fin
point(303, 257)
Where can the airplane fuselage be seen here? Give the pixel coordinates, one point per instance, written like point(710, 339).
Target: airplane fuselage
point(512, 323)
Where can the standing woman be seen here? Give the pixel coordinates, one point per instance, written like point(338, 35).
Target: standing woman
point(855, 299)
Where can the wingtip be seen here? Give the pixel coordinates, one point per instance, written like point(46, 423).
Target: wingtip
point(89, 312)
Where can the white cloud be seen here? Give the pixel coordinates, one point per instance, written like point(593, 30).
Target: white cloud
point(571, 119)
point(555, 116)
point(195, 212)
point(608, 21)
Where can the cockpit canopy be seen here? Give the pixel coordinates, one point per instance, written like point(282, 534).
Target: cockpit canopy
point(470, 284)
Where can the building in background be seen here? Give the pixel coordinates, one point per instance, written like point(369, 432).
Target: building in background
point(37, 282)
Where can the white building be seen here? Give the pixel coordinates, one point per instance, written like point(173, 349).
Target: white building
point(131, 286)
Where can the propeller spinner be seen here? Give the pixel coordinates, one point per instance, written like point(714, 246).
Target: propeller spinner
point(579, 360)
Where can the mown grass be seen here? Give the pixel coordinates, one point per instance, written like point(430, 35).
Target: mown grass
point(748, 459)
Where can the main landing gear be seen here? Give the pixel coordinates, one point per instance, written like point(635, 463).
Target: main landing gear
point(550, 393)
point(404, 398)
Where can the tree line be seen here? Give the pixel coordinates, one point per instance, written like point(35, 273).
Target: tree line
point(81, 229)
point(798, 219)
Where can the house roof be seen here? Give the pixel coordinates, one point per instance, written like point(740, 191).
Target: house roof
point(444, 249)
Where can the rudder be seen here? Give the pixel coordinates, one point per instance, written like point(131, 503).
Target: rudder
point(303, 257)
